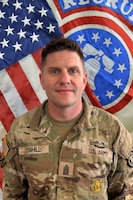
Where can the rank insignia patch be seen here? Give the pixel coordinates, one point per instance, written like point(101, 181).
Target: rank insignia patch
point(66, 169)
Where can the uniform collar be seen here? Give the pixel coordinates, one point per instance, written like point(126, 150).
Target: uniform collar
point(85, 120)
point(38, 113)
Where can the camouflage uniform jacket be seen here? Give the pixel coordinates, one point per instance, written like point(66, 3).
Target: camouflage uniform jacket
point(93, 163)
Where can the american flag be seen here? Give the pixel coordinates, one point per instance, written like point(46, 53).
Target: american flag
point(103, 29)
point(25, 27)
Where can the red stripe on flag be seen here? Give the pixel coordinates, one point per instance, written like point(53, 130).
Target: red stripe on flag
point(23, 86)
point(37, 57)
point(6, 115)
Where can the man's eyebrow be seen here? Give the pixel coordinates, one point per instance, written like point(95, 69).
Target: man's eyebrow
point(54, 67)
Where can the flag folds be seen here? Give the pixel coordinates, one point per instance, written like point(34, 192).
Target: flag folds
point(103, 29)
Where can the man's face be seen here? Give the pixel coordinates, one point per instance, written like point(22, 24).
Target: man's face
point(63, 78)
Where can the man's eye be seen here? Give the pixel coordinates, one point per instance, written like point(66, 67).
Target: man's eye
point(54, 71)
point(73, 71)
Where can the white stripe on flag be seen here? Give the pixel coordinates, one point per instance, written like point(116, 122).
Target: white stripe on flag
point(11, 95)
point(2, 133)
point(55, 11)
point(32, 72)
point(95, 13)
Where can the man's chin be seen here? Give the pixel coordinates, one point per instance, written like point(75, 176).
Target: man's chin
point(65, 104)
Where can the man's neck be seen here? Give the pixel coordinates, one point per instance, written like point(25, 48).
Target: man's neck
point(66, 113)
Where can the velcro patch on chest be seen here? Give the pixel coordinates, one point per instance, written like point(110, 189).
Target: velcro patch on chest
point(33, 150)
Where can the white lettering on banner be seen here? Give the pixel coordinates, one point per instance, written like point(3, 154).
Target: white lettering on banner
point(123, 5)
point(109, 3)
point(67, 3)
point(84, 2)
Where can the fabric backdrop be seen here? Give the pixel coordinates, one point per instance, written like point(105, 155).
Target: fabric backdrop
point(103, 29)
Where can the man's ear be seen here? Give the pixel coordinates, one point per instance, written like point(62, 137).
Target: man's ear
point(41, 80)
point(85, 79)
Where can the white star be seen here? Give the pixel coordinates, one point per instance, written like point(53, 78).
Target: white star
point(81, 38)
point(39, 24)
point(30, 8)
point(2, 14)
point(21, 34)
point(17, 46)
point(26, 21)
point(51, 28)
point(118, 83)
point(107, 42)
point(13, 18)
point(34, 37)
point(4, 43)
point(109, 94)
point(17, 5)
point(121, 67)
point(5, 2)
point(95, 36)
point(9, 30)
point(1, 55)
point(43, 12)
point(117, 52)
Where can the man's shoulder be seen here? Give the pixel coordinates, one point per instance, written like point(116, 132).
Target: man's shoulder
point(29, 114)
point(26, 119)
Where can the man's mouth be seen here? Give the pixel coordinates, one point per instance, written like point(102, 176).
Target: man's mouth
point(64, 90)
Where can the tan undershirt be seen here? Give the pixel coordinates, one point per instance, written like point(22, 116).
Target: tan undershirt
point(62, 127)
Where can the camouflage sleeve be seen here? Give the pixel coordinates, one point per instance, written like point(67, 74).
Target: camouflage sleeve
point(14, 183)
point(121, 178)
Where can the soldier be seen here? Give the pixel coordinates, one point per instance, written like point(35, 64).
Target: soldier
point(66, 148)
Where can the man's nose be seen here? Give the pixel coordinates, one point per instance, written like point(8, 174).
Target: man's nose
point(65, 77)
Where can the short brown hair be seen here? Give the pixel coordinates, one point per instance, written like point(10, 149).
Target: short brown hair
point(61, 44)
